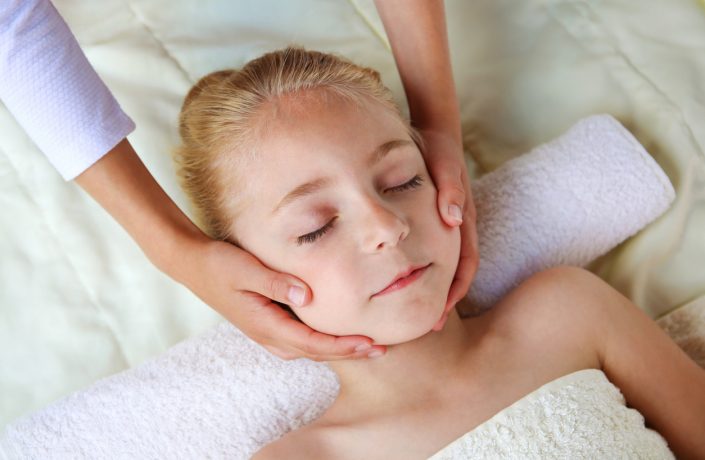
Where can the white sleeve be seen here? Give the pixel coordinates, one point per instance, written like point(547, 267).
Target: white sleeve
point(49, 86)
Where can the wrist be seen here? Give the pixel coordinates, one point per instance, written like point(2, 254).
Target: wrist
point(442, 135)
point(181, 242)
point(437, 119)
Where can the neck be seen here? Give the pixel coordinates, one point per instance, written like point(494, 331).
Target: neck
point(412, 371)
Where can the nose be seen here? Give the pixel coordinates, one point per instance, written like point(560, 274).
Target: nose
point(383, 228)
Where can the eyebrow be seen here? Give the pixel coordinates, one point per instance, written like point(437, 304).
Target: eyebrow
point(315, 185)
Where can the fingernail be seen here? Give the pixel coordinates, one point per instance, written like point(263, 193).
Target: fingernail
point(296, 295)
point(455, 212)
point(362, 347)
point(375, 354)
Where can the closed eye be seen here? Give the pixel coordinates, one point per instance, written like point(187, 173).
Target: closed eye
point(313, 236)
point(415, 181)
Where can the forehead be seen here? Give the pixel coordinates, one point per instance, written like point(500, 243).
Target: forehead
point(320, 125)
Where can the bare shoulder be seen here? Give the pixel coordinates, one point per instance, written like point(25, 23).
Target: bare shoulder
point(568, 311)
point(560, 306)
point(306, 443)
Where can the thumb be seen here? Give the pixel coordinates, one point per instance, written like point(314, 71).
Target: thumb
point(451, 199)
point(284, 288)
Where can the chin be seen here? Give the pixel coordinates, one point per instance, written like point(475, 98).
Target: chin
point(402, 337)
point(409, 328)
point(390, 324)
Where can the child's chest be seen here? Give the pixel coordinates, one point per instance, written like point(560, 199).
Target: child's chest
point(416, 435)
point(420, 433)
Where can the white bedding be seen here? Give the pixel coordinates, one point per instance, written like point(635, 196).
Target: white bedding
point(78, 300)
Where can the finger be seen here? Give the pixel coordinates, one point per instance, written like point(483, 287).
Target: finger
point(283, 353)
point(284, 322)
point(353, 356)
point(284, 345)
point(289, 354)
point(441, 322)
point(467, 265)
point(277, 286)
point(451, 198)
point(366, 354)
point(318, 346)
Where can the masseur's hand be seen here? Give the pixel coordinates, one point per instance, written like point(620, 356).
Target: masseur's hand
point(227, 278)
point(444, 158)
point(246, 302)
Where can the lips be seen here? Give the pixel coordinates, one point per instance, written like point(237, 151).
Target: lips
point(403, 279)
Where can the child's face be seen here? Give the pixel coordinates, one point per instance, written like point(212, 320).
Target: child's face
point(375, 225)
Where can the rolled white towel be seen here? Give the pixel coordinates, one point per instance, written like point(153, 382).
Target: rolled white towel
point(221, 395)
point(566, 202)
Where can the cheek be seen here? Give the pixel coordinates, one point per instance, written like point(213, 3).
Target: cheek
point(330, 312)
point(444, 240)
point(454, 245)
point(338, 295)
point(322, 276)
point(428, 216)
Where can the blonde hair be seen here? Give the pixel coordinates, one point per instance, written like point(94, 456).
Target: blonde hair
point(221, 119)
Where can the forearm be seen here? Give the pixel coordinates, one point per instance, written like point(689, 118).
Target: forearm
point(123, 186)
point(418, 36)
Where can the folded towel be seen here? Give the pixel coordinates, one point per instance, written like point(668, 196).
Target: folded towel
point(221, 395)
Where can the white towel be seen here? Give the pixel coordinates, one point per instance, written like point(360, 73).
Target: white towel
point(594, 422)
point(566, 202)
point(221, 395)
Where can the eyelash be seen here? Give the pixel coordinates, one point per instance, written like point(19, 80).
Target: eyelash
point(313, 236)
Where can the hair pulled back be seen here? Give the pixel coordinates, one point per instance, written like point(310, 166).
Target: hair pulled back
point(221, 116)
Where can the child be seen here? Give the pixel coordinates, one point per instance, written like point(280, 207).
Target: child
point(303, 159)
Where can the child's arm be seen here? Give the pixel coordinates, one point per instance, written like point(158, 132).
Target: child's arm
point(655, 376)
